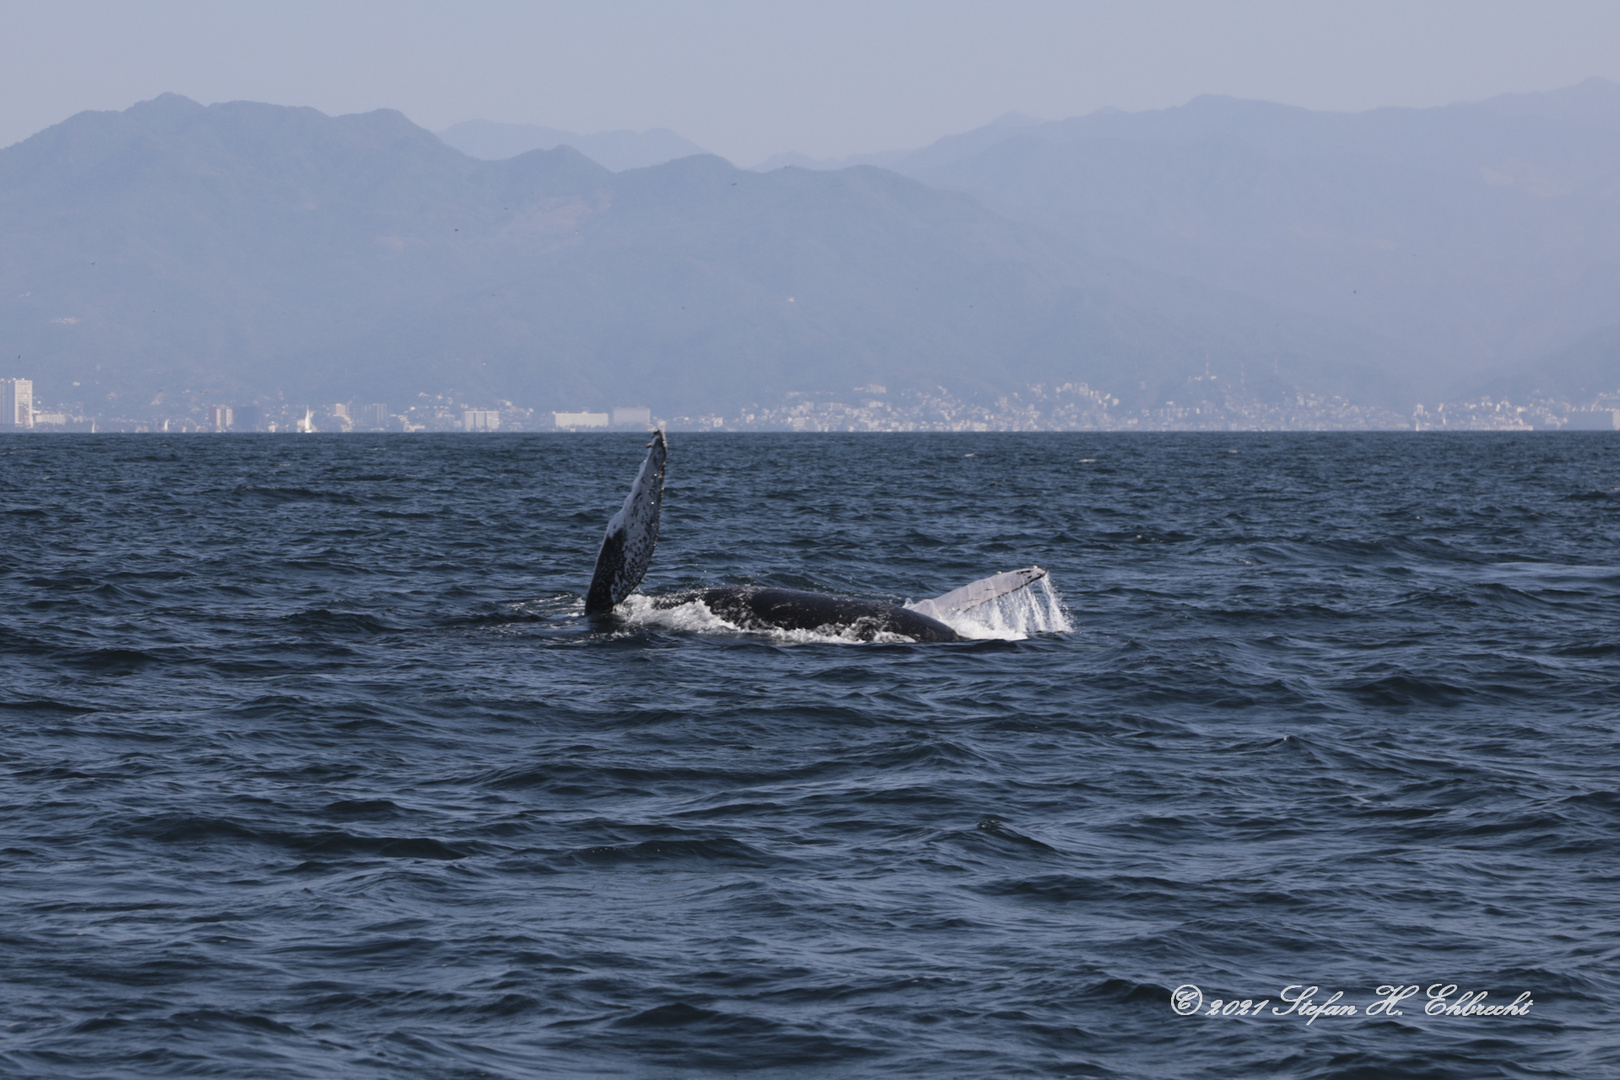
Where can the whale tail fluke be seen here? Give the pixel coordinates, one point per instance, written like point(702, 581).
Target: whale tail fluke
point(627, 549)
point(974, 594)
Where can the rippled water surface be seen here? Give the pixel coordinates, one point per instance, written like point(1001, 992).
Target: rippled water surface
point(312, 767)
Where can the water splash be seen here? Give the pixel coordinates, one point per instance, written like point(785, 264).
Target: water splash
point(694, 617)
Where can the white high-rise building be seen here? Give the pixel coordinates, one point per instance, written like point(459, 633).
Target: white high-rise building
point(16, 404)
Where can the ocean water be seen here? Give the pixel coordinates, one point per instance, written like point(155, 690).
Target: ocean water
point(311, 766)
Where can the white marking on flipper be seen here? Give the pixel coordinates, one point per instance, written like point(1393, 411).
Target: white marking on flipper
point(978, 592)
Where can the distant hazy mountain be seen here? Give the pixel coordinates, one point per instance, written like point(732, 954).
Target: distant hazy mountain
point(951, 147)
point(805, 161)
point(1468, 236)
point(1577, 372)
point(616, 150)
point(248, 249)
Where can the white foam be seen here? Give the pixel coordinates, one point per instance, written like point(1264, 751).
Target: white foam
point(694, 617)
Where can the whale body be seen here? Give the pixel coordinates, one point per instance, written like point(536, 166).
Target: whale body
point(753, 607)
point(632, 535)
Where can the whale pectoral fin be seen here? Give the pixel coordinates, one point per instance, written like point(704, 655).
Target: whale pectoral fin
point(627, 549)
point(978, 592)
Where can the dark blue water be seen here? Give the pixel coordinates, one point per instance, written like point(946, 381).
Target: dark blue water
point(312, 768)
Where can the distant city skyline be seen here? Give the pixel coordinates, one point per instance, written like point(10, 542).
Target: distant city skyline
point(1206, 404)
point(750, 80)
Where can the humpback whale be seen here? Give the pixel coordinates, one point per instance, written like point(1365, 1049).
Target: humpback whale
point(632, 534)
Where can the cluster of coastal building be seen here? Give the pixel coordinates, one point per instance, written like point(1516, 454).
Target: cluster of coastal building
point(1061, 407)
point(1079, 407)
point(190, 412)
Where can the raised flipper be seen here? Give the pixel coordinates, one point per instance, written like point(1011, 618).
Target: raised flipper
point(627, 549)
point(978, 592)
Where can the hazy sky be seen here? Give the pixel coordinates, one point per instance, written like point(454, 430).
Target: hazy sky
point(747, 79)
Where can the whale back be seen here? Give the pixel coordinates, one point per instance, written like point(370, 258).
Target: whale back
point(632, 534)
point(753, 607)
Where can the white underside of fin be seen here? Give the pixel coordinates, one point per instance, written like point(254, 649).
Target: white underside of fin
point(973, 594)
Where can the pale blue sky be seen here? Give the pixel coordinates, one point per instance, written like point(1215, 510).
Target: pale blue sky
point(827, 78)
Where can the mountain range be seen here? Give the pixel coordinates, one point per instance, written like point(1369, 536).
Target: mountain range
point(1472, 238)
point(247, 251)
point(616, 150)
